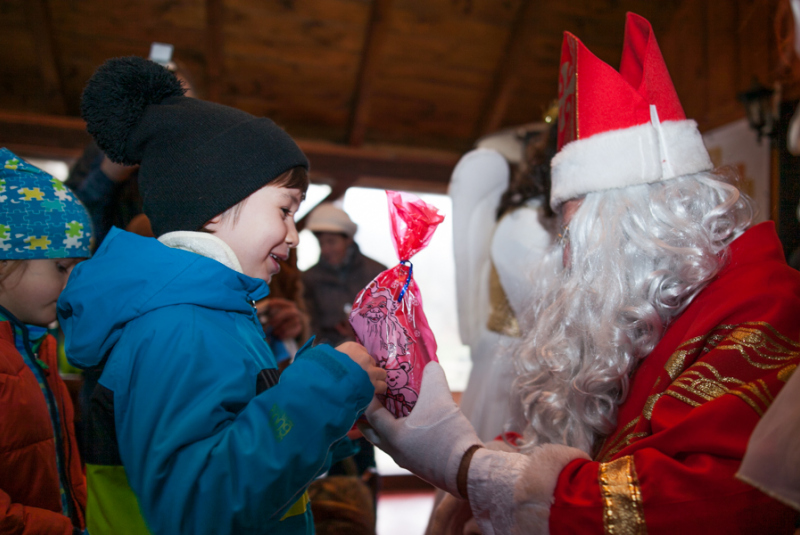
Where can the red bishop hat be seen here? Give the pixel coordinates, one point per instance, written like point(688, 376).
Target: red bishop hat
point(620, 129)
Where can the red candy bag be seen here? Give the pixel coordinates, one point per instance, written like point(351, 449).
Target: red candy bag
point(387, 315)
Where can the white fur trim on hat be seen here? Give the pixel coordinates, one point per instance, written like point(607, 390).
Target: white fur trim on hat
point(641, 154)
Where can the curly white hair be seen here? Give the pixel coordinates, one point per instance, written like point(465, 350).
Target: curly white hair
point(639, 256)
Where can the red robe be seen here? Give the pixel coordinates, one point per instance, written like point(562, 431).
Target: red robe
point(694, 401)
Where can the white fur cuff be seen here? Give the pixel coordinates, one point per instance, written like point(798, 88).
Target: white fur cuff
point(511, 493)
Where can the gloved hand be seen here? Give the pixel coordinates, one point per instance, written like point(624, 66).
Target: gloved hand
point(431, 441)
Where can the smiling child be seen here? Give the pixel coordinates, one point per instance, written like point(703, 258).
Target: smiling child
point(193, 432)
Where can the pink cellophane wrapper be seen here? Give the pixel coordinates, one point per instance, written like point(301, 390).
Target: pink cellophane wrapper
point(387, 315)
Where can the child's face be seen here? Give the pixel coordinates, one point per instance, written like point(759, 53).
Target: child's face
point(264, 231)
point(31, 292)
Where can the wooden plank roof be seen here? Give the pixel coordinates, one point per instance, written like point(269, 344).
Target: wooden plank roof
point(405, 74)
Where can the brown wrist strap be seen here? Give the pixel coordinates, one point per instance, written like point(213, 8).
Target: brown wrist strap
point(463, 470)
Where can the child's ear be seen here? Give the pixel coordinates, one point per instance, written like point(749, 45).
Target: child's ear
point(5, 270)
point(213, 223)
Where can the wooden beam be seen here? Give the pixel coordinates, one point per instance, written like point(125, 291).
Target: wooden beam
point(338, 188)
point(505, 79)
point(41, 25)
point(363, 164)
point(377, 30)
point(215, 11)
point(385, 165)
point(36, 134)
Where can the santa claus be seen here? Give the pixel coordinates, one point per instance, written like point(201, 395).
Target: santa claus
point(663, 326)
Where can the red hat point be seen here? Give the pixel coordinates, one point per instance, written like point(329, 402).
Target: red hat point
point(620, 128)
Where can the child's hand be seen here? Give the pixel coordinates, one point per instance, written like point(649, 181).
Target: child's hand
point(116, 172)
point(282, 315)
point(377, 375)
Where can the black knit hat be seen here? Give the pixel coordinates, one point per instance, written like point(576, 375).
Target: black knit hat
point(197, 158)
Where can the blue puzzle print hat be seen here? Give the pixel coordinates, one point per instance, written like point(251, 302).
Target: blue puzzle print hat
point(39, 216)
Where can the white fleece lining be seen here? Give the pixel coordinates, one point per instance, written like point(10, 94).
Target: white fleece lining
point(628, 157)
point(204, 244)
point(511, 493)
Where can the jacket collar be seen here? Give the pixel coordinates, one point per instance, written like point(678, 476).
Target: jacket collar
point(204, 244)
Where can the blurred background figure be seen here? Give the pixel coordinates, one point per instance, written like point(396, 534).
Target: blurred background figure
point(330, 286)
point(283, 314)
point(342, 271)
point(501, 227)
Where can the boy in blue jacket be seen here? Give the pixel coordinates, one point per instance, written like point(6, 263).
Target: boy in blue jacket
point(192, 429)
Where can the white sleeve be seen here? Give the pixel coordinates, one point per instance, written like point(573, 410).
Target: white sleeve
point(478, 181)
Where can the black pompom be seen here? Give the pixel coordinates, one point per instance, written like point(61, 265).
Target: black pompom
point(115, 98)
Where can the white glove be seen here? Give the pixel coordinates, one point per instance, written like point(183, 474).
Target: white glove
point(431, 441)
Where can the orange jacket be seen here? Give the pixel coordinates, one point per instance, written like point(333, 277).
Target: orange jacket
point(30, 500)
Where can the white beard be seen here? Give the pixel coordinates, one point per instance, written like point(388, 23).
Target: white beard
point(639, 256)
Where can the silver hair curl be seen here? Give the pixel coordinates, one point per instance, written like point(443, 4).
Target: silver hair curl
point(639, 256)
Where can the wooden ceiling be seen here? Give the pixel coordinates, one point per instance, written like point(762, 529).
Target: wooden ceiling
point(379, 84)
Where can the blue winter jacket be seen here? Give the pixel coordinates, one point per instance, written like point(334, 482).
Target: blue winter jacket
point(212, 440)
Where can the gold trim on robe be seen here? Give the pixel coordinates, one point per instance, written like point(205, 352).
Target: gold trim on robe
point(757, 344)
point(695, 382)
point(787, 372)
point(623, 512)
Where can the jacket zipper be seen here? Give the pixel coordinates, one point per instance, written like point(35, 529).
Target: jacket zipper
point(63, 475)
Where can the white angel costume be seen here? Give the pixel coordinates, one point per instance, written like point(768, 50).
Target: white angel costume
point(492, 260)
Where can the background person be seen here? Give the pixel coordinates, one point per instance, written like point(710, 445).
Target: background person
point(502, 225)
point(332, 284)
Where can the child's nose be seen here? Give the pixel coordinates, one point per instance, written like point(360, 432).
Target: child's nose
point(292, 237)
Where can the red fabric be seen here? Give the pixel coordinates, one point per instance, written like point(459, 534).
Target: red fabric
point(741, 332)
point(595, 98)
point(387, 316)
point(30, 500)
point(509, 437)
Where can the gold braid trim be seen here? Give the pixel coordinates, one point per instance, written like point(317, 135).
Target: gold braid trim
point(623, 512)
point(501, 316)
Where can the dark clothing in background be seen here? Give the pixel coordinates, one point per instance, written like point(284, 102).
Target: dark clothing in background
point(794, 259)
point(329, 289)
point(109, 203)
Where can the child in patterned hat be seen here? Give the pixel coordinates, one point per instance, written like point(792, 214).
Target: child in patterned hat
point(44, 232)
